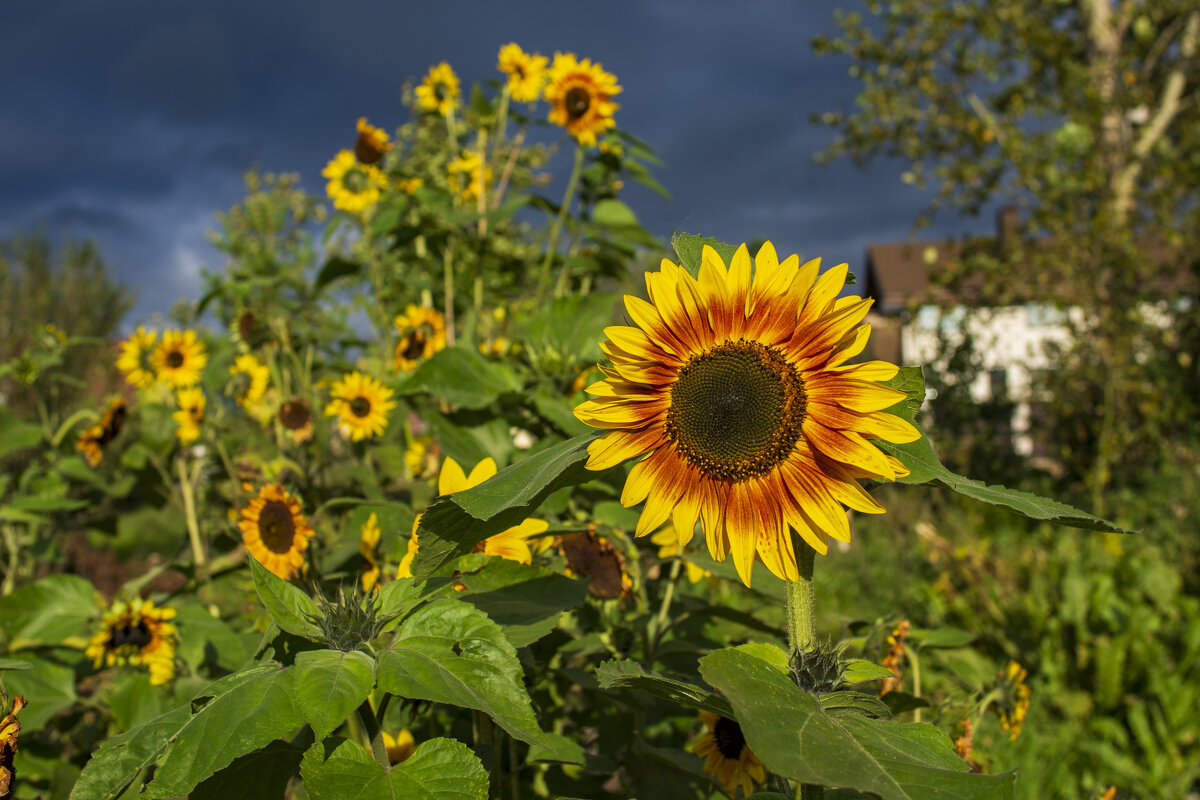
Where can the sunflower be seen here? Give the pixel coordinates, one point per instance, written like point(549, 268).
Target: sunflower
point(669, 547)
point(372, 143)
point(726, 756)
point(511, 544)
point(362, 404)
point(422, 334)
point(179, 358)
point(478, 176)
point(275, 532)
point(588, 556)
point(93, 440)
point(1014, 694)
point(135, 632)
point(439, 90)
point(368, 541)
point(352, 186)
point(421, 456)
point(296, 418)
point(578, 93)
point(10, 730)
point(410, 185)
point(526, 72)
point(134, 360)
point(400, 748)
point(250, 380)
point(737, 392)
point(191, 404)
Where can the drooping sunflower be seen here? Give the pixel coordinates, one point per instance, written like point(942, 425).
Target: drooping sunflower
point(274, 531)
point(526, 72)
point(400, 748)
point(191, 402)
point(250, 378)
point(579, 94)
point(439, 90)
point(296, 418)
point(726, 756)
point(422, 334)
point(353, 187)
point(179, 359)
point(512, 544)
point(93, 440)
point(469, 176)
point(134, 360)
point(10, 731)
point(135, 632)
point(588, 556)
point(361, 405)
point(1013, 704)
point(372, 143)
point(735, 388)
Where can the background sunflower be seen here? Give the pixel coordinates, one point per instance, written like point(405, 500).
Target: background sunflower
point(579, 94)
point(179, 359)
point(361, 404)
point(274, 531)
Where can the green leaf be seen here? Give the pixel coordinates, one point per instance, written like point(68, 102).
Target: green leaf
point(288, 605)
point(837, 703)
point(941, 637)
point(46, 503)
point(47, 611)
point(628, 674)
point(456, 523)
point(15, 663)
point(335, 267)
point(788, 731)
point(330, 685)
point(16, 434)
point(859, 670)
point(439, 769)
point(924, 467)
point(120, 758)
point(450, 652)
point(614, 214)
point(262, 774)
point(48, 686)
point(236, 722)
point(133, 700)
point(524, 600)
point(461, 377)
point(569, 330)
point(690, 249)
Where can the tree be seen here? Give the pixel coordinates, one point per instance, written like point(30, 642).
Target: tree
point(1086, 115)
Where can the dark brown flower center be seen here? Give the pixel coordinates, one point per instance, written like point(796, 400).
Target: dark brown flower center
point(294, 415)
point(736, 410)
point(367, 150)
point(730, 741)
point(577, 102)
point(414, 345)
point(276, 527)
point(360, 406)
point(174, 359)
point(247, 323)
point(137, 635)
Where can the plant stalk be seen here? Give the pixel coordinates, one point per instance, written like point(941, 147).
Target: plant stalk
point(366, 715)
point(544, 276)
point(189, 509)
point(801, 602)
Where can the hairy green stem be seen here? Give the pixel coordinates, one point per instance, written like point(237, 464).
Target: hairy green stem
point(801, 622)
point(544, 275)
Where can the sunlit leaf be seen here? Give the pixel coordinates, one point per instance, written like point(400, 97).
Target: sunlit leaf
point(439, 769)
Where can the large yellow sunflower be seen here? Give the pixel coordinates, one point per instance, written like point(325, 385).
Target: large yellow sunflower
point(579, 95)
point(735, 388)
point(361, 404)
point(137, 633)
point(512, 544)
point(134, 360)
point(274, 531)
point(191, 404)
point(93, 440)
point(422, 334)
point(179, 359)
point(526, 72)
point(353, 187)
point(439, 90)
point(372, 143)
point(726, 756)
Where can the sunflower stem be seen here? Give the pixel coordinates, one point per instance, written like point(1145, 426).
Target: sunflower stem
point(366, 715)
point(189, 509)
point(544, 276)
point(448, 290)
point(801, 620)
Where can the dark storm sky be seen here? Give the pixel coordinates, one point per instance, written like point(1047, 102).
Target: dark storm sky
point(132, 121)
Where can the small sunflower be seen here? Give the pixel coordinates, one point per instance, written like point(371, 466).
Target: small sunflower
point(250, 380)
point(511, 544)
point(135, 632)
point(726, 756)
point(368, 542)
point(353, 187)
point(579, 95)
point(248, 330)
point(469, 176)
point(526, 72)
point(409, 185)
point(10, 730)
point(179, 359)
point(134, 360)
point(296, 418)
point(439, 90)
point(372, 143)
point(1013, 704)
point(422, 334)
point(93, 440)
point(421, 456)
point(737, 392)
point(191, 404)
point(400, 748)
point(361, 404)
point(274, 531)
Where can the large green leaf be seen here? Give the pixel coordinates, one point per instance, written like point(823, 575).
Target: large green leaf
point(450, 652)
point(16, 434)
point(120, 758)
point(261, 775)
point(524, 600)
point(924, 467)
point(690, 250)
point(456, 523)
point(628, 674)
point(48, 686)
point(289, 606)
point(569, 330)
point(788, 731)
point(47, 611)
point(462, 377)
point(330, 685)
point(440, 769)
point(232, 724)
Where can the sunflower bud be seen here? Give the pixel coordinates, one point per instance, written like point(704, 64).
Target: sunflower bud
point(349, 621)
point(819, 669)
